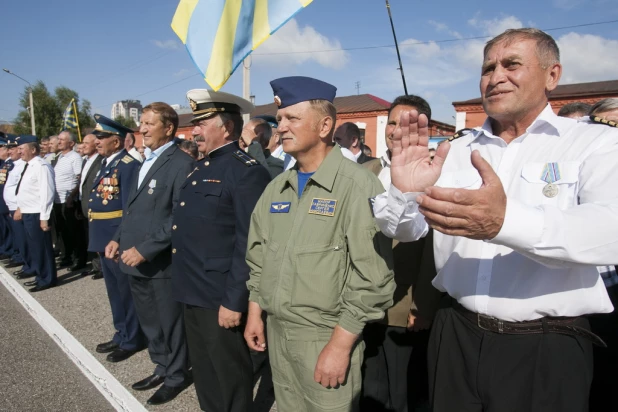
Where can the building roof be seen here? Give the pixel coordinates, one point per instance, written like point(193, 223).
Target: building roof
point(569, 90)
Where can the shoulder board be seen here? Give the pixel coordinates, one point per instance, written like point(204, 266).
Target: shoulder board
point(245, 158)
point(127, 159)
point(459, 133)
point(600, 120)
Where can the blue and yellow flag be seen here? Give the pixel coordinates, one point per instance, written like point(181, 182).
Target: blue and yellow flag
point(219, 34)
point(69, 118)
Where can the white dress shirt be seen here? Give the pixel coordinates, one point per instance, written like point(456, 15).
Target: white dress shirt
point(85, 171)
point(36, 191)
point(67, 171)
point(385, 173)
point(543, 261)
point(135, 154)
point(11, 183)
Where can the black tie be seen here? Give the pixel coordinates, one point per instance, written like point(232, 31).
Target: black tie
point(20, 179)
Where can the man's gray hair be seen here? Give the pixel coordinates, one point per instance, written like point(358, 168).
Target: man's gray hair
point(547, 50)
point(605, 105)
point(72, 136)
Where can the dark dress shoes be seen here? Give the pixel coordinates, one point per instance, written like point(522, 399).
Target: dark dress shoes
point(12, 264)
point(118, 355)
point(24, 275)
point(107, 347)
point(165, 394)
point(63, 264)
point(5, 257)
point(31, 283)
point(77, 266)
point(39, 288)
point(97, 275)
point(150, 382)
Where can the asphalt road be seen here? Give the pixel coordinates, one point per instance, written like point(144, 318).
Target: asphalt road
point(36, 374)
point(33, 376)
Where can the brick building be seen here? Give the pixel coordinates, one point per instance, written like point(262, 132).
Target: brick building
point(470, 112)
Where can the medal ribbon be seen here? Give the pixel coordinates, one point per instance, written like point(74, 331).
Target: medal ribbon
point(551, 172)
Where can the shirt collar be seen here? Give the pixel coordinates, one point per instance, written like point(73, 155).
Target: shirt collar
point(546, 122)
point(156, 153)
point(385, 160)
point(111, 158)
point(326, 173)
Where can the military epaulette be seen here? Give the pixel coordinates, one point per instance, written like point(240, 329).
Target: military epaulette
point(245, 158)
point(127, 159)
point(597, 119)
point(458, 134)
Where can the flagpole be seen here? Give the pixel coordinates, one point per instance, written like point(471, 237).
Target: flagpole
point(246, 84)
point(403, 78)
point(79, 133)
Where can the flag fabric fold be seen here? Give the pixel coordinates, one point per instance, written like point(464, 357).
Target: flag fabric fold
point(219, 34)
point(69, 118)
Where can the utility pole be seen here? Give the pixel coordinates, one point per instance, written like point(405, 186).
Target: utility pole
point(246, 84)
point(403, 77)
point(32, 126)
point(357, 86)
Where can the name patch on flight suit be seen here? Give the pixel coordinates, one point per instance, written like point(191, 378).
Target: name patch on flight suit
point(324, 207)
point(280, 207)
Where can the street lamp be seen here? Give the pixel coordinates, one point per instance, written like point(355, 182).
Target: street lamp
point(31, 100)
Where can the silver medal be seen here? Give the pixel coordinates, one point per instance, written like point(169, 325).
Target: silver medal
point(550, 190)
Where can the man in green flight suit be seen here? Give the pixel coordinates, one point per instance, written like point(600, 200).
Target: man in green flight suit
point(319, 266)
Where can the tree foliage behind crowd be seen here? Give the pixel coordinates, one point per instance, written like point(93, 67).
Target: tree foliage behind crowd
point(126, 121)
point(48, 110)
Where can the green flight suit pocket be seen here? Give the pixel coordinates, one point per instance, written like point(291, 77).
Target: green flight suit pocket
point(319, 277)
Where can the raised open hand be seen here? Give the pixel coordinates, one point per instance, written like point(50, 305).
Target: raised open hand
point(412, 169)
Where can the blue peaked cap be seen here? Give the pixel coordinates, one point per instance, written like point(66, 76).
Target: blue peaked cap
point(291, 90)
point(25, 138)
point(3, 142)
point(10, 139)
point(271, 120)
point(106, 127)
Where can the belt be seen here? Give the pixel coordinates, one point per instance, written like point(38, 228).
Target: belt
point(562, 325)
point(104, 215)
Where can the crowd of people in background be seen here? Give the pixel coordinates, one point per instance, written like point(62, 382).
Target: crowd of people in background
point(477, 276)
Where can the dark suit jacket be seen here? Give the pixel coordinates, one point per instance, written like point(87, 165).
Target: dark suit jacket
point(147, 217)
point(89, 181)
point(363, 158)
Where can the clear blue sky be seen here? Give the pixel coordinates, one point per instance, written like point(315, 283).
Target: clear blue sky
point(115, 50)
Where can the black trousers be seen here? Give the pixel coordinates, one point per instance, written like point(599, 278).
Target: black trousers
point(605, 325)
point(69, 229)
point(471, 369)
point(222, 369)
point(92, 256)
point(395, 368)
point(161, 319)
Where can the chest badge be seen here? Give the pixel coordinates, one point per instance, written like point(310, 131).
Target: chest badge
point(324, 207)
point(151, 186)
point(280, 207)
point(550, 175)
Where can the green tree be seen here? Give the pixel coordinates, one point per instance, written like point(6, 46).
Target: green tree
point(126, 121)
point(48, 110)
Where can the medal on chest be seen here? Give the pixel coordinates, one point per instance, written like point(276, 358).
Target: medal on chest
point(550, 175)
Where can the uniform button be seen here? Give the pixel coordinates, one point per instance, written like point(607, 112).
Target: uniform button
point(206, 163)
point(174, 250)
point(174, 227)
point(182, 203)
point(194, 183)
point(92, 190)
point(90, 200)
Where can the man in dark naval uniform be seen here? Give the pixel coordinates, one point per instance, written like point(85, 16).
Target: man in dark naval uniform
point(209, 241)
point(108, 197)
point(6, 164)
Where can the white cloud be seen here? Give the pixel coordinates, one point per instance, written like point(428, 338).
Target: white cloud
point(444, 28)
point(587, 58)
point(495, 26)
point(284, 46)
point(182, 72)
point(167, 44)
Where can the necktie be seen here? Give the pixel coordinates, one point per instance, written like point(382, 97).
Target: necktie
point(21, 177)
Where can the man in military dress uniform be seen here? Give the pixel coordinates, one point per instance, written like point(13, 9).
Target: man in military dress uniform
point(20, 247)
point(6, 164)
point(35, 199)
point(209, 240)
point(107, 199)
point(320, 268)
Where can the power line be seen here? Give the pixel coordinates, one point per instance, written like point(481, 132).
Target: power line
point(388, 46)
point(375, 47)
